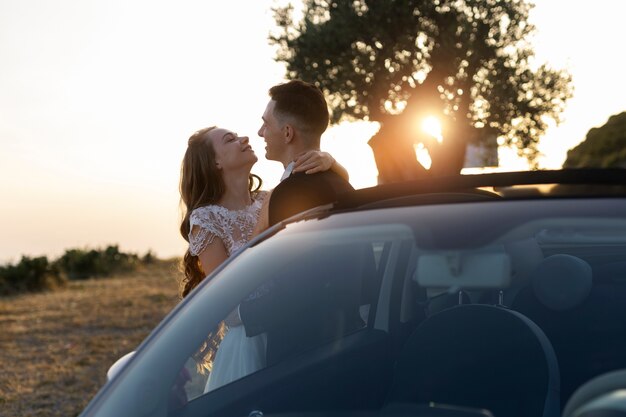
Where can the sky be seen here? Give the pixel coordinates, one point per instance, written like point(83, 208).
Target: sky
point(98, 98)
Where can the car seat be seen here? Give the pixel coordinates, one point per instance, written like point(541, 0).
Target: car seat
point(584, 320)
point(482, 357)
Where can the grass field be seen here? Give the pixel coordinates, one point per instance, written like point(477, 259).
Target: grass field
point(56, 347)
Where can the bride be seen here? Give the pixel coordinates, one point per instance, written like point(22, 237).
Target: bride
point(222, 207)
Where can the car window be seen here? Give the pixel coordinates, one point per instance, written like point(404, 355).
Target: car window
point(325, 287)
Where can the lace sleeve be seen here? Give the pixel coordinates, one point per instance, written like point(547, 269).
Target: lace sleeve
point(205, 226)
point(261, 198)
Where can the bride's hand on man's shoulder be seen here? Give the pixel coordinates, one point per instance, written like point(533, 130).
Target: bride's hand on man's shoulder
point(313, 161)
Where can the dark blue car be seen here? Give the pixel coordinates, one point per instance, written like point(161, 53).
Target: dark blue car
point(480, 295)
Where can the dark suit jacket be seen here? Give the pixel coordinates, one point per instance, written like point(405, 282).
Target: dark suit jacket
point(305, 306)
point(300, 192)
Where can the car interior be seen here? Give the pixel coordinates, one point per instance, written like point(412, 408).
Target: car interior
point(513, 328)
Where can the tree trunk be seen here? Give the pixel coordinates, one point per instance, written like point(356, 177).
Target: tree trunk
point(448, 157)
point(395, 156)
point(393, 145)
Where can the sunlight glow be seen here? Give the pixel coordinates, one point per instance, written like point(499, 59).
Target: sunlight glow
point(347, 142)
point(432, 126)
point(422, 155)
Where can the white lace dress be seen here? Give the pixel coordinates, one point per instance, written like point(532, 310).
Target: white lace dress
point(237, 355)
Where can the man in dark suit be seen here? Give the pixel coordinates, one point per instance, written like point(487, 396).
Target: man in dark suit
point(294, 311)
point(293, 122)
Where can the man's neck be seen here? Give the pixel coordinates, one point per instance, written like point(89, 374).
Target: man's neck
point(293, 153)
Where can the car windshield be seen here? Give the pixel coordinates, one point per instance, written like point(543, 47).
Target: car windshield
point(368, 303)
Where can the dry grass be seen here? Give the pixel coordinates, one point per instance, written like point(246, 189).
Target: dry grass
point(56, 347)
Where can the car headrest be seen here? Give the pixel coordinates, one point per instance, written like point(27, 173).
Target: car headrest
point(562, 282)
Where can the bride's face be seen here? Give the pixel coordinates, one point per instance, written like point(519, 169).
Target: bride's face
point(232, 152)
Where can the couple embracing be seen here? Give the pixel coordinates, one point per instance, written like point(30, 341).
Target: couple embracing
point(224, 207)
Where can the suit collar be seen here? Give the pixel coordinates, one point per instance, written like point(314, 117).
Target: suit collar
point(288, 171)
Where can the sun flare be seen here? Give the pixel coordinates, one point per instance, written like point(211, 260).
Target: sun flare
point(432, 126)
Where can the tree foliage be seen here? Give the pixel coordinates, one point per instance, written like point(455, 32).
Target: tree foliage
point(468, 62)
point(604, 147)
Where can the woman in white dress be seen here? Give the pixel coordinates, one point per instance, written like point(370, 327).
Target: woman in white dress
point(222, 206)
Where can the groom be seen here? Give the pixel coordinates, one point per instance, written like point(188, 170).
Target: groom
point(293, 123)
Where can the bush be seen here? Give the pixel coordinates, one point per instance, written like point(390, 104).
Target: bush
point(82, 264)
point(36, 274)
point(149, 258)
point(30, 274)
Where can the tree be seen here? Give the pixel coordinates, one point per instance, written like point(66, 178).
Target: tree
point(604, 147)
point(467, 62)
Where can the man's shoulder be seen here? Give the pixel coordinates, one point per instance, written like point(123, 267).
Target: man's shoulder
point(328, 180)
point(301, 192)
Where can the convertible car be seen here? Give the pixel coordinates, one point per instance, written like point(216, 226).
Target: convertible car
point(479, 295)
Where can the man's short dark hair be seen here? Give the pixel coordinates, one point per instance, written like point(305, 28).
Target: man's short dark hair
point(303, 102)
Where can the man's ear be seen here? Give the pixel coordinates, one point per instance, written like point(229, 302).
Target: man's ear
point(288, 133)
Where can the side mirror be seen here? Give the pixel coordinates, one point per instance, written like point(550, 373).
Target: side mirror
point(118, 365)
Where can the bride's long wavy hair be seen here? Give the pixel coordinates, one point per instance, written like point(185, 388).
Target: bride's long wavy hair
point(201, 184)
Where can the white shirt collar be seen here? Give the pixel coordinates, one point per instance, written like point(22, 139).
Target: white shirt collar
point(288, 171)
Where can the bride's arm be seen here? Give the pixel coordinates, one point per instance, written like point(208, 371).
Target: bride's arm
point(311, 162)
point(212, 256)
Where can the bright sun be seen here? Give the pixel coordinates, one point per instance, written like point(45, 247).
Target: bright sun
point(432, 126)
